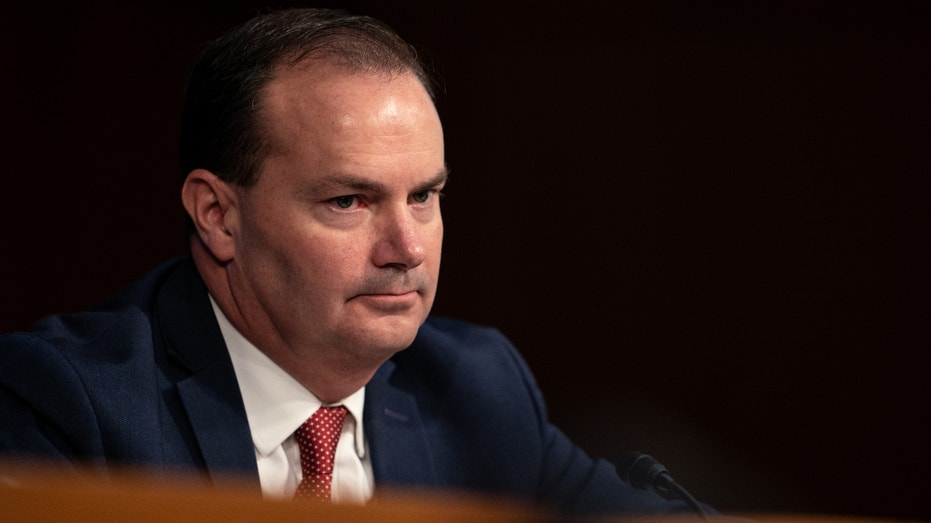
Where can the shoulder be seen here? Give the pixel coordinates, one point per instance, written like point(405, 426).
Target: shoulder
point(68, 385)
point(452, 332)
point(462, 358)
point(455, 343)
point(105, 331)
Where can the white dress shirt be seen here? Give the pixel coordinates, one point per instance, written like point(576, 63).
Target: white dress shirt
point(276, 405)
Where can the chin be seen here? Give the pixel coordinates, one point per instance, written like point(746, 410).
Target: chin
point(389, 339)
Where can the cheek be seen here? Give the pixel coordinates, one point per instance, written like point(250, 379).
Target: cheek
point(325, 262)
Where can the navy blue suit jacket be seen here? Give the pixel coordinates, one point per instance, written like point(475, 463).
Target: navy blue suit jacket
point(145, 380)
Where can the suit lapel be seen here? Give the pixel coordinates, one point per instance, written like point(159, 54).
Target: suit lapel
point(214, 408)
point(398, 444)
point(204, 376)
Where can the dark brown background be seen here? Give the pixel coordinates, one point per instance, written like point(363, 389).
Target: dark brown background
point(690, 217)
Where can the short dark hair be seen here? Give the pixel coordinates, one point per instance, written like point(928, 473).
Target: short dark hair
point(220, 130)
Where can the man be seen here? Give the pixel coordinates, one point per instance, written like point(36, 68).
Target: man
point(313, 160)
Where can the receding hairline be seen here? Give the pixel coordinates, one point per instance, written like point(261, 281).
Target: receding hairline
point(328, 62)
point(358, 51)
point(221, 130)
point(328, 69)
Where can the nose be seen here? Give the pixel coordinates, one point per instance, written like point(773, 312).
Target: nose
point(401, 241)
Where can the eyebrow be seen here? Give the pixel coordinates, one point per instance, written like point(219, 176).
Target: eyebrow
point(341, 181)
point(439, 179)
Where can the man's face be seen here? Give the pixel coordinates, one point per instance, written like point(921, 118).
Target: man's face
point(338, 243)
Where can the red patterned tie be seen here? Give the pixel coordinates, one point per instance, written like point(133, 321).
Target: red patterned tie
point(317, 439)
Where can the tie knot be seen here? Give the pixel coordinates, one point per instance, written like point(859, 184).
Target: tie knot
point(328, 416)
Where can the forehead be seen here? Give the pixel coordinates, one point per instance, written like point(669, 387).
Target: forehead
point(321, 121)
point(318, 98)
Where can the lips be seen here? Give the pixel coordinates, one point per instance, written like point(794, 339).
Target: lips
point(391, 285)
point(388, 295)
point(391, 303)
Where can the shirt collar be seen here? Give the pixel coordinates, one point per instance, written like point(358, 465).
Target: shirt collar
point(276, 404)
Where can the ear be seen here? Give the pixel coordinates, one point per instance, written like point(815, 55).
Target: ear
point(211, 203)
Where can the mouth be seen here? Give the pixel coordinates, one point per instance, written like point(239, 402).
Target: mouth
point(389, 301)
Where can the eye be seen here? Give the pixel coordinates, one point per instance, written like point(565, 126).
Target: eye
point(343, 202)
point(424, 196)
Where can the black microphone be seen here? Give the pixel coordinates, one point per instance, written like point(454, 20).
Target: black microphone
point(642, 471)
